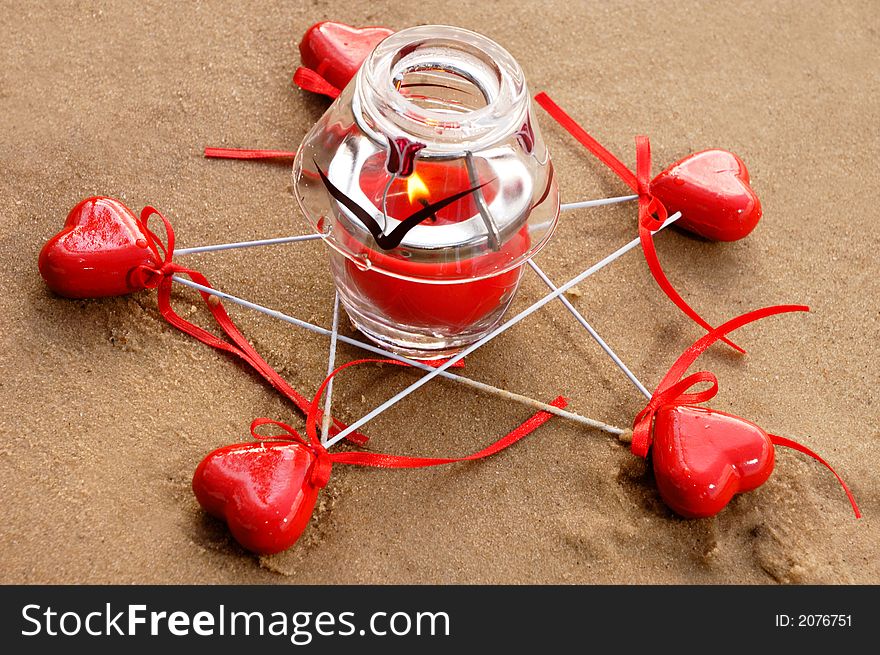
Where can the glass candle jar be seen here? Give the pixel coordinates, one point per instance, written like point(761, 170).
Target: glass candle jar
point(429, 180)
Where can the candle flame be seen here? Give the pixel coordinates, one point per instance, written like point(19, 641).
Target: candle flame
point(415, 188)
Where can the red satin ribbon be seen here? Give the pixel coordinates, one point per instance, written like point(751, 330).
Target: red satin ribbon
point(672, 390)
point(150, 277)
point(247, 153)
point(324, 460)
point(309, 80)
point(652, 213)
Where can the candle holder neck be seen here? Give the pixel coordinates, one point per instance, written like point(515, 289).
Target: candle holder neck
point(446, 87)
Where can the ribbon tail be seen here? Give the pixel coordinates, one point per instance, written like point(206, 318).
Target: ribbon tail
point(788, 443)
point(242, 349)
point(665, 285)
point(585, 139)
point(309, 80)
point(380, 460)
point(177, 321)
point(247, 153)
point(702, 344)
point(263, 367)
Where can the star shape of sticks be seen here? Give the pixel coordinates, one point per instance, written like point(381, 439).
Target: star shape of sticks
point(443, 369)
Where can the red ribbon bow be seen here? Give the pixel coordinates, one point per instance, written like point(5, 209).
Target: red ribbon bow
point(652, 212)
point(672, 390)
point(153, 277)
point(320, 473)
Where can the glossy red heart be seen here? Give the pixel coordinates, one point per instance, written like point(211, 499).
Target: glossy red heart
point(101, 243)
point(702, 457)
point(711, 190)
point(335, 51)
point(264, 491)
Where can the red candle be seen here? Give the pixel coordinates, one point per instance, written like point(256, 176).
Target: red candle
point(451, 307)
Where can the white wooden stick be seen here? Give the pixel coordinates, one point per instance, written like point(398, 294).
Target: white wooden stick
point(589, 328)
point(482, 386)
point(331, 365)
point(494, 333)
point(568, 206)
point(246, 244)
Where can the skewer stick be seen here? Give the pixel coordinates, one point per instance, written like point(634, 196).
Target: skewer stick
point(589, 328)
point(482, 386)
point(494, 333)
point(568, 206)
point(246, 244)
point(314, 237)
point(331, 366)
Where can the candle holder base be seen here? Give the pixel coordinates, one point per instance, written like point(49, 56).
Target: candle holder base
point(418, 342)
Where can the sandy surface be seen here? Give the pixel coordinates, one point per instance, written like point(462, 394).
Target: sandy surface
point(107, 410)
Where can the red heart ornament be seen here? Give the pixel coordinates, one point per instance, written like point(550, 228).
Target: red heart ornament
point(335, 51)
point(703, 457)
point(711, 190)
point(264, 491)
point(101, 243)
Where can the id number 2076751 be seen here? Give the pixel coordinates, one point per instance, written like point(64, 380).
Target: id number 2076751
point(814, 621)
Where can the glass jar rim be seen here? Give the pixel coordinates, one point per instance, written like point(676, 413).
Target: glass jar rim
point(386, 111)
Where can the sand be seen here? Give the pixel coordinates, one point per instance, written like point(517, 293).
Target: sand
point(107, 410)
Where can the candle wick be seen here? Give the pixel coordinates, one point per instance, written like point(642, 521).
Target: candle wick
point(393, 239)
point(425, 204)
